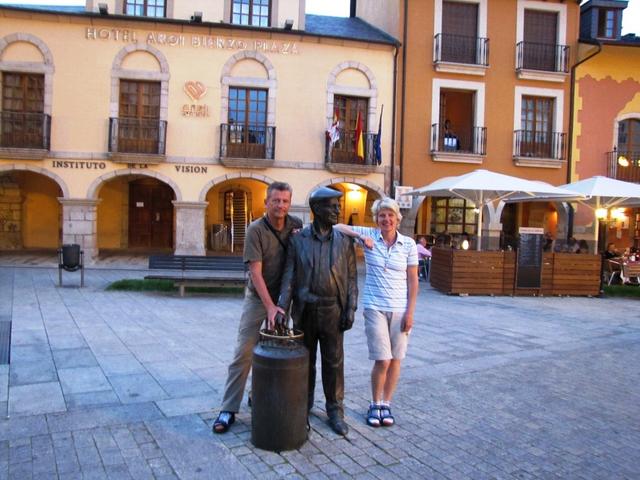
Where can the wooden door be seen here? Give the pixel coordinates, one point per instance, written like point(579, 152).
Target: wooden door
point(150, 214)
point(460, 32)
point(22, 110)
point(537, 126)
point(247, 122)
point(540, 40)
point(344, 150)
point(139, 118)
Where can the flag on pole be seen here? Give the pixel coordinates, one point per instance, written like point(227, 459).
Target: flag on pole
point(359, 140)
point(334, 132)
point(377, 146)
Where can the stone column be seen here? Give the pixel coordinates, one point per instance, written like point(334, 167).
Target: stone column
point(79, 225)
point(190, 228)
point(491, 236)
point(491, 225)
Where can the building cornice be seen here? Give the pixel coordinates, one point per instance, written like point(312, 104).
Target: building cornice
point(200, 26)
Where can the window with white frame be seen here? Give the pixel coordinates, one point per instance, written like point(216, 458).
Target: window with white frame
point(460, 28)
point(457, 117)
point(145, 8)
point(541, 36)
point(251, 12)
point(538, 124)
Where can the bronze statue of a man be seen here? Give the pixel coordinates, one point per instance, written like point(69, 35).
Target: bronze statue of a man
point(320, 275)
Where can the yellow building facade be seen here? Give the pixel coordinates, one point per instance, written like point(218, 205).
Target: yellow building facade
point(124, 130)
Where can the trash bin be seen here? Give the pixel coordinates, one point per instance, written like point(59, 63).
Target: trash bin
point(279, 392)
point(71, 255)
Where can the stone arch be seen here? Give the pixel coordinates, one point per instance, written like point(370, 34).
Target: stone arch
point(270, 83)
point(47, 68)
point(118, 73)
point(371, 93)
point(30, 168)
point(358, 181)
point(92, 192)
point(248, 54)
point(231, 176)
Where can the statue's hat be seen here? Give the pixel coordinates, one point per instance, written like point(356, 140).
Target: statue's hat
point(323, 193)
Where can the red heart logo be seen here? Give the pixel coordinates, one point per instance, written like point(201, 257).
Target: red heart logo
point(195, 90)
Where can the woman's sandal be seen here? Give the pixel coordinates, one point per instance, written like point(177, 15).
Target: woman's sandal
point(386, 418)
point(223, 422)
point(373, 416)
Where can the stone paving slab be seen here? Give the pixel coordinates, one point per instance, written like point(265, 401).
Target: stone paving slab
point(36, 398)
point(495, 388)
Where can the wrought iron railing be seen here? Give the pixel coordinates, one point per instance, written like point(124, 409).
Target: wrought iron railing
point(25, 130)
point(467, 140)
point(344, 149)
point(550, 145)
point(247, 141)
point(137, 135)
point(461, 49)
point(624, 165)
point(542, 56)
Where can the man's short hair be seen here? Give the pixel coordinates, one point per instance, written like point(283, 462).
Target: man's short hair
point(388, 204)
point(280, 186)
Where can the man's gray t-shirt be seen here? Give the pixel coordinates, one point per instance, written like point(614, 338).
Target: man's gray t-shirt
point(262, 245)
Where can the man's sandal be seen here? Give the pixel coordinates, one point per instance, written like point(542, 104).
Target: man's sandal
point(373, 416)
point(386, 418)
point(223, 422)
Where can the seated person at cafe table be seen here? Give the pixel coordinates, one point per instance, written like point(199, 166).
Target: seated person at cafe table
point(611, 251)
point(583, 246)
point(423, 257)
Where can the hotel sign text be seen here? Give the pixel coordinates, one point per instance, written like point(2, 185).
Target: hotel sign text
point(194, 41)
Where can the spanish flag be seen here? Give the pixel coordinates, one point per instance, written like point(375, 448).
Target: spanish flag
point(359, 140)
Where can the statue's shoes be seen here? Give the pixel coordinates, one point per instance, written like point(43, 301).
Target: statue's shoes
point(338, 425)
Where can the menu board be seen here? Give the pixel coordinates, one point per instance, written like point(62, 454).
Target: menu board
point(529, 258)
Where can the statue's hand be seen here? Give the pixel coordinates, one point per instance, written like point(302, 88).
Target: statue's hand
point(346, 322)
point(280, 324)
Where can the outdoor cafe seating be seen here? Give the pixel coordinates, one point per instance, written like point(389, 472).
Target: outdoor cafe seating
point(623, 270)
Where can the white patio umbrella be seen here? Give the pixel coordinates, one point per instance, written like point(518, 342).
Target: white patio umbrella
point(482, 187)
point(605, 192)
point(599, 192)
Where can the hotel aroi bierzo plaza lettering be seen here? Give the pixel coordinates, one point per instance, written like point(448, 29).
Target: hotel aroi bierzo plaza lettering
point(195, 41)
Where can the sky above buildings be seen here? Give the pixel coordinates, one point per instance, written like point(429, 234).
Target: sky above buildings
point(340, 8)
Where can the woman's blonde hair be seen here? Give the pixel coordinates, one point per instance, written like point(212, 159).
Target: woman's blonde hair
point(388, 204)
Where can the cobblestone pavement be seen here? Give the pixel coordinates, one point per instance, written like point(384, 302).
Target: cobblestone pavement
point(122, 385)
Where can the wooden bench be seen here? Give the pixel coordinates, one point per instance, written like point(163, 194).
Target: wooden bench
point(199, 271)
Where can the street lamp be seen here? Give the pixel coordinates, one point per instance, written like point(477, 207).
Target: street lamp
point(602, 213)
point(623, 161)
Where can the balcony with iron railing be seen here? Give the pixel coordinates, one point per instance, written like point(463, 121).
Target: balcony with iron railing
point(542, 58)
point(133, 140)
point(341, 157)
point(542, 149)
point(462, 51)
point(467, 145)
point(624, 165)
point(250, 146)
point(25, 135)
